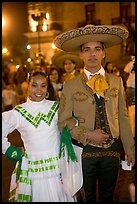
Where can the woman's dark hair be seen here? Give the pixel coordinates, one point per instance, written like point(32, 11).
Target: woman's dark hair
point(51, 91)
point(58, 71)
point(36, 73)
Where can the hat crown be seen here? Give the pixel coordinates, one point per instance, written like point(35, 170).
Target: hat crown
point(60, 57)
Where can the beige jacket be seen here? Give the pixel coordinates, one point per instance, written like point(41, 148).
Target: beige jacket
point(78, 98)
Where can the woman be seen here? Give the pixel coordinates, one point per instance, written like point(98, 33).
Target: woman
point(54, 79)
point(37, 177)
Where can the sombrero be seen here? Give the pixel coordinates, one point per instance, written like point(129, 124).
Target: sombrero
point(110, 35)
point(60, 57)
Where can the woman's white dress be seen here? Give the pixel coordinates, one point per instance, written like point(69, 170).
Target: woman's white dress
point(40, 177)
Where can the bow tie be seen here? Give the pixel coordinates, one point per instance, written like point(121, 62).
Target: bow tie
point(98, 84)
point(69, 76)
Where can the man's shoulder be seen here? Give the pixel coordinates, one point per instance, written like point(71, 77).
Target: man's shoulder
point(75, 79)
point(112, 76)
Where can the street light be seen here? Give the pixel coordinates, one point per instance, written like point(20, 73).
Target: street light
point(3, 22)
point(5, 52)
point(3, 31)
point(42, 24)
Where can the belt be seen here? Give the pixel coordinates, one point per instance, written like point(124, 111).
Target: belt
point(100, 154)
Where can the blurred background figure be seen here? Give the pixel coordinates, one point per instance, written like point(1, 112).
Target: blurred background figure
point(116, 71)
point(9, 97)
point(127, 69)
point(130, 91)
point(54, 78)
point(108, 67)
point(69, 62)
point(111, 69)
point(20, 80)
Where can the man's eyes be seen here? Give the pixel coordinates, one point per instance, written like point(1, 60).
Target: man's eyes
point(98, 49)
point(85, 50)
point(34, 85)
point(88, 49)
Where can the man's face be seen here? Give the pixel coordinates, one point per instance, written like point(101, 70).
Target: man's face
point(92, 54)
point(69, 66)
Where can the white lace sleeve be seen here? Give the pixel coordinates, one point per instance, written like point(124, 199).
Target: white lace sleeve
point(10, 122)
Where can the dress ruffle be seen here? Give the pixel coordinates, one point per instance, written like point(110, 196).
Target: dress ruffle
point(38, 172)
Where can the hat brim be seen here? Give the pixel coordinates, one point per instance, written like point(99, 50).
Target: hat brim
point(109, 35)
point(74, 44)
point(59, 59)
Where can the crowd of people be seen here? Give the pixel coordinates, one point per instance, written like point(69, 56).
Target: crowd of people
point(15, 83)
point(78, 93)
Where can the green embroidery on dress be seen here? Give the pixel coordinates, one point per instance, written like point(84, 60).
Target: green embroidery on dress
point(14, 154)
point(44, 161)
point(40, 116)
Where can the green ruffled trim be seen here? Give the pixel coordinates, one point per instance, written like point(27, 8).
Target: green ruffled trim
point(15, 154)
point(65, 140)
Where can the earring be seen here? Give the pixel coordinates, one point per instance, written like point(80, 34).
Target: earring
point(47, 94)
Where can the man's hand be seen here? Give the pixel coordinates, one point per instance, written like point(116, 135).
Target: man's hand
point(130, 157)
point(97, 136)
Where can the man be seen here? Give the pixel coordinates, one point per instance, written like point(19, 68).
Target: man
point(69, 62)
point(100, 108)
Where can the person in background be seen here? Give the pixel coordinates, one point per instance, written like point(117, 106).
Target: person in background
point(130, 93)
point(108, 67)
point(54, 79)
point(127, 69)
point(97, 99)
point(20, 81)
point(9, 97)
point(37, 177)
point(70, 62)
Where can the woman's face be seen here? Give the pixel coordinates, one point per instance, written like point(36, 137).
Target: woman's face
point(69, 66)
point(54, 76)
point(37, 88)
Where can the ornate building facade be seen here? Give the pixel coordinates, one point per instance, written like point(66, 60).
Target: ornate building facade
point(48, 19)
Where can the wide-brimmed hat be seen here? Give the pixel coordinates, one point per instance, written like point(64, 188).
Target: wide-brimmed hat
point(60, 57)
point(110, 35)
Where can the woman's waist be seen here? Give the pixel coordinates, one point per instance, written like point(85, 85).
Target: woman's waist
point(40, 146)
point(41, 151)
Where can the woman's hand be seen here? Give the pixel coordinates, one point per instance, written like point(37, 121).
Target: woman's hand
point(70, 123)
point(23, 150)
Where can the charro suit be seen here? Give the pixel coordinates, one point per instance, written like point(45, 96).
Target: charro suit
point(78, 99)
